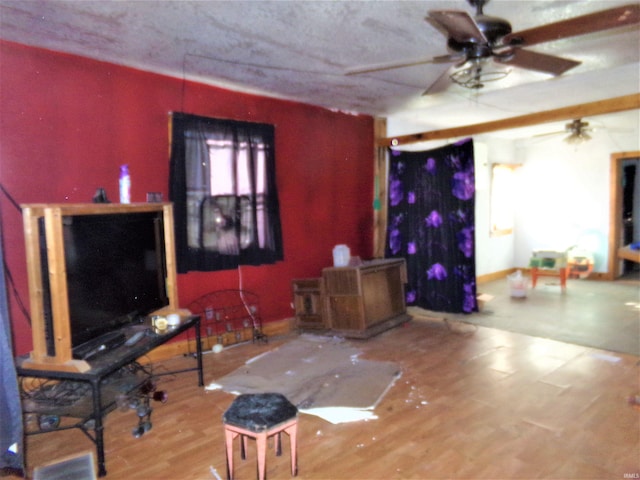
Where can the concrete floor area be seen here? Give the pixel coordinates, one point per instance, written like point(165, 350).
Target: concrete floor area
point(591, 313)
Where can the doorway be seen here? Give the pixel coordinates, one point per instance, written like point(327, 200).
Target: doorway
point(630, 208)
point(619, 164)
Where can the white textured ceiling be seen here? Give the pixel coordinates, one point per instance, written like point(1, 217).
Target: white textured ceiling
point(301, 49)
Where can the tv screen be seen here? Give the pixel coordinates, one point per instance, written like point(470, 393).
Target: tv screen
point(115, 271)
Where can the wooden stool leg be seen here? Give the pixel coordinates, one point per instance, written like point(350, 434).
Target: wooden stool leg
point(228, 438)
point(278, 441)
point(243, 447)
point(293, 439)
point(261, 446)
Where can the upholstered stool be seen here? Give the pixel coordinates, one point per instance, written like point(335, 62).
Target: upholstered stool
point(260, 416)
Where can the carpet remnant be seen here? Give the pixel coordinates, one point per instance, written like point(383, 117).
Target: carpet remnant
point(322, 376)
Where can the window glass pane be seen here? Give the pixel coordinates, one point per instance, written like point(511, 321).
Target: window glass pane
point(261, 185)
point(244, 186)
point(221, 168)
point(219, 224)
point(222, 164)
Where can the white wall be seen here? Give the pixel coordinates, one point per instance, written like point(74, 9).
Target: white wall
point(563, 197)
point(564, 200)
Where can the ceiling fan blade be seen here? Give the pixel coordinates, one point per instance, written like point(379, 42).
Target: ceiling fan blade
point(540, 62)
point(548, 134)
point(378, 67)
point(453, 57)
point(593, 22)
point(442, 83)
point(458, 25)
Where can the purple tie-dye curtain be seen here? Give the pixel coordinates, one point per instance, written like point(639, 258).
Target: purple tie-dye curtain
point(431, 224)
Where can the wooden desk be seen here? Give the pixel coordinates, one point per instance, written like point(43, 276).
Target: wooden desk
point(103, 381)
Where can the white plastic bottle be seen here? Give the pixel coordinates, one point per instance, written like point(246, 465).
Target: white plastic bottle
point(125, 184)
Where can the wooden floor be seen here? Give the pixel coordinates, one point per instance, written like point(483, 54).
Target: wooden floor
point(472, 402)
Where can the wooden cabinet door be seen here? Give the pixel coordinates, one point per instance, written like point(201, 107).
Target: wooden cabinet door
point(382, 294)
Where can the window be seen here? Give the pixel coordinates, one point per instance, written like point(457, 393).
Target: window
point(223, 188)
point(503, 194)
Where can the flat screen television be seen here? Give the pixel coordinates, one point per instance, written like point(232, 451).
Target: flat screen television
point(94, 269)
point(115, 271)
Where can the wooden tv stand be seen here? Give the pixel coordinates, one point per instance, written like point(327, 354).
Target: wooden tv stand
point(364, 300)
point(58, 329)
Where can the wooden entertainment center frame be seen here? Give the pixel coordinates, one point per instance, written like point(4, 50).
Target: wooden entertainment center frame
point(53, 214)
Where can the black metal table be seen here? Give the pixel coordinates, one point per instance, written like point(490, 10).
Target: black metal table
point(106, 365)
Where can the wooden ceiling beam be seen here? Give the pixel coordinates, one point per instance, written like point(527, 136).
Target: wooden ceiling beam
point(600, 107)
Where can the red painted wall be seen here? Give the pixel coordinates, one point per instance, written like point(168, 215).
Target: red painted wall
point(67, 123)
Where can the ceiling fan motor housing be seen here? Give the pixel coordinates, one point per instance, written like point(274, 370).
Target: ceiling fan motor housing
point(471, 49)
point(576, 126)
point(493, 28)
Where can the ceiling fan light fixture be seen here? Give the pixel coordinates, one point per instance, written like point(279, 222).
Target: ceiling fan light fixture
point(576, 138)
point(476, 75)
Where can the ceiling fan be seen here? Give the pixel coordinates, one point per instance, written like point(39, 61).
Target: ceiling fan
point(473, 41)
point(578, 130)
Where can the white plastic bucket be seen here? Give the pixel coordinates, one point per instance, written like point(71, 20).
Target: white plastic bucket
point(341, 256)
point(518, 284)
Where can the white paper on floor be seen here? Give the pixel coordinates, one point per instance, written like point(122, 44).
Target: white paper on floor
point(322, 376)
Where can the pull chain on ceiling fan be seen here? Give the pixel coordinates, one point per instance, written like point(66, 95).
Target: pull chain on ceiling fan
point(474, 41)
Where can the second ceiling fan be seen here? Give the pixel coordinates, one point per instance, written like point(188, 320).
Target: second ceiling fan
point(474, 40)
point(578, 132)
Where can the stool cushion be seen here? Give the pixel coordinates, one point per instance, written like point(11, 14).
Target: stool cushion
point(259, 412)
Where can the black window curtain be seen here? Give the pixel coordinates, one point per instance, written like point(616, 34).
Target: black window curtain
point(222, 184)
point(431, 222)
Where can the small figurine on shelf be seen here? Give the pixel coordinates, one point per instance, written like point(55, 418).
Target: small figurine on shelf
point(100, 196)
